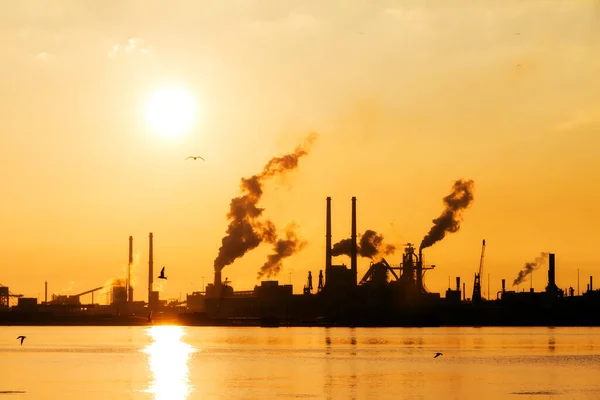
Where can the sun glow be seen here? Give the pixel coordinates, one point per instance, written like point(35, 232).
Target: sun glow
point(171, 112)
point(168, 361)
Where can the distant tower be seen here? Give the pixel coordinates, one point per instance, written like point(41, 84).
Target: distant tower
point(353, 248)
point(129, 286)
point(310, 285)
point(150, 271)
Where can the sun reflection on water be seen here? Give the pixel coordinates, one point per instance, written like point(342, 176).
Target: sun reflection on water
point(168, 358)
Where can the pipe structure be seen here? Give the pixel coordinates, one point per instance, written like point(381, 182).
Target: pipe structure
point(353, 248)
point(328, 256)
point(130, 266)
point(150, 270)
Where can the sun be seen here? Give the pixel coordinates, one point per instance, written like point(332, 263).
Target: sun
point(170, 112)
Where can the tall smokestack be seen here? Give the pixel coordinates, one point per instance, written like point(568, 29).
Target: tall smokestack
point(591, 287)
point(551, 288)
point(129, 287)
point(150, 270)
point(551, 272)
point(419, 270)
point(328, 240)
point(458, 283)
point(46, 292)
point(218, 280)
point(503, 285)
point(353, 255)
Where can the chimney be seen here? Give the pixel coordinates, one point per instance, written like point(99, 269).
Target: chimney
point(129, 287)
point(551, 288)
point(458, 283)
point(150, 271)
point(551, 273)
point(46, 292)
point(464, 292)
point(218, 280)
point(503, 285)
point(591, 287)
point(328, 240)
point(419, 269)
point(353, 255)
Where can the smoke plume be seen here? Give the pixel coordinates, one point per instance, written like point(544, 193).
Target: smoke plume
point(282, 248)
point(370, 246)
point(246, 230)
point(529, 268)
point(449, 221)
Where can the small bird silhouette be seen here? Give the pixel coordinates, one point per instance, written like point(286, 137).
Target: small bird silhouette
point(22, 338)
point(437, 355)
point(195, 157)
point(162, 274)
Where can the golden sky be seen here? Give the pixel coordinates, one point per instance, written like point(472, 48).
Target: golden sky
point(406, 98)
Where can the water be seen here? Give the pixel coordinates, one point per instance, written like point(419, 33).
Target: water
point(176, 363)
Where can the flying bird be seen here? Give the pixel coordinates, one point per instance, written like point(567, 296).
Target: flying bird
point(437, 355)
point(195, 157)
point(22, 338)
point(162, 274)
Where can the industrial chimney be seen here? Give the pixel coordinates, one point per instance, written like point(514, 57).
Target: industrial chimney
point(129, 287)
point(353, 248)
point(150, 271)
point(419, 272)
point(503, 285)
point(328, 256)
point(458, 283)
point(551, 288)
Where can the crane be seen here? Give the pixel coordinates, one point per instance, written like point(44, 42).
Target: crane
point(5, 295)
point(477, 283)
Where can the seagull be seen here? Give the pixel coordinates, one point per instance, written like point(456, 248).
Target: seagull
point(22, 338)
point(162, 274)
point(195, 157)
point(437, 355)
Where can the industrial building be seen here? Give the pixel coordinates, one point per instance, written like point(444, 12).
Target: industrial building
point(386, 295)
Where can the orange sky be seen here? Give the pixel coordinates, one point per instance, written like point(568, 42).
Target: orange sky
point(406, 99)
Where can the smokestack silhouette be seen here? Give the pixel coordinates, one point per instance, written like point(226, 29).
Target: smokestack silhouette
point(449, 221)
point(282, 248)
point(370, 246)
point(130, 266)
point(529, 267)
point(150, 269)
point(328, 253)
point(353, 245)
point(246, 231)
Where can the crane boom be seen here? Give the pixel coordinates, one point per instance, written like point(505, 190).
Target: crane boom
point(477, 282)
point(481, 261)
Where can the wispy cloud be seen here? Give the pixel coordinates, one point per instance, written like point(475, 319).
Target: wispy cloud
point(131, 45)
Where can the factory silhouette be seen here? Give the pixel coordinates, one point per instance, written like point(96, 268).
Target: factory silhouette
point(386, 295)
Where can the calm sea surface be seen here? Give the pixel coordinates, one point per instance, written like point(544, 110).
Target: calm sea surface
point(171, 362)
